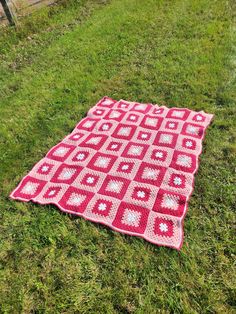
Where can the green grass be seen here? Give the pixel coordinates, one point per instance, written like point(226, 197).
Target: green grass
point(52, 70)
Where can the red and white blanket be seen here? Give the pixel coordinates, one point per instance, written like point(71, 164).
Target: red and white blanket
point(127, 165)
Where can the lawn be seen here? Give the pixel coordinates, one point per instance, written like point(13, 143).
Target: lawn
point(58, 64)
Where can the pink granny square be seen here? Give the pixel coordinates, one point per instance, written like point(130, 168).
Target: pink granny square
point(127, 165)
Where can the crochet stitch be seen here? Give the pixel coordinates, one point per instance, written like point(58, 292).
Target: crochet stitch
point(127, 165)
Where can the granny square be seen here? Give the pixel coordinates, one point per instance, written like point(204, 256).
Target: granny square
point(127, 165)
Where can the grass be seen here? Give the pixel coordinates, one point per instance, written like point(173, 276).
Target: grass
point(53, 68)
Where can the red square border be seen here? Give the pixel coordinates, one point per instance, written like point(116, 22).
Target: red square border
point(114, 186)
point(135, 150)
point(131, 218)
point(75, 200)
point(150, 174)
point(170, 203)
point(29, 188)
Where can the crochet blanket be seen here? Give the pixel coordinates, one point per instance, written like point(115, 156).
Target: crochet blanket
point(127, 165)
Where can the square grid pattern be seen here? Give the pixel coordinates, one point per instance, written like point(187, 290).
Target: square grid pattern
point(127, 165)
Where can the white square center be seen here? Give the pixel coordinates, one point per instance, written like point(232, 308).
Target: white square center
point(131, 217)
point(170, 201)
point(102, 162)
point(184, 160)
point(30, 188)
point(66, 173)
point(76, 199)
point(114, 186)
point(150, 173)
